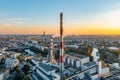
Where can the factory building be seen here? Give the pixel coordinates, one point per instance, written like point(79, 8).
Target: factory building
point(11, 63)
point(78, 63)
point(46, 72)
point(72, 66)
point(75, 60)
point(4, 73)
point(80, 67)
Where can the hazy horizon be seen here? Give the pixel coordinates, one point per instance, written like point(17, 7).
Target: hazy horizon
point(81, 17)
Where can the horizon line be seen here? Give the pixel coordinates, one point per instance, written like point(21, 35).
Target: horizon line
point(64, 34)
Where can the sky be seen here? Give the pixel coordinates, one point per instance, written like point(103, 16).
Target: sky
point(80, 16)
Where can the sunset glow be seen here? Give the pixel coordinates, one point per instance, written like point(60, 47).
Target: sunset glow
point(80, 17)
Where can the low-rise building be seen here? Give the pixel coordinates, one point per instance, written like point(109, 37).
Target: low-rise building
point(11, 63)
point(4, 73)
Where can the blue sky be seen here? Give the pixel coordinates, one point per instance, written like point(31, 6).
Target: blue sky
point(46, 12)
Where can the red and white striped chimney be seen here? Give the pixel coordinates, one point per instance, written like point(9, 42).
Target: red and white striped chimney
point(61, 42)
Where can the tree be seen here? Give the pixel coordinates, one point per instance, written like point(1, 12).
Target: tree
point(91, 58)
point(89, 50)
point(26, 77)
point(26, 68)
point(20, 58)
point(107, 65)
point(101, 78)
point(20, 74)
point(105, 56)
point(2, 61)
point(66, 50)
point(18, 70)
point(39, 54)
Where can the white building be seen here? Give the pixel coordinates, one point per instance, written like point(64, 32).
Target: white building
point(70, 46)
point(115, 65)
point(81, 65)
point(75, 60)
point(95, 54)
point(113, 48)
point(15, 55)
point(46, 72)
point(4, 74)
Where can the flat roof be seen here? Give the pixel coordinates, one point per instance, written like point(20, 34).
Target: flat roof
point(76, 55)
point(48, 76)
point(40, 78)
point(47, 68)
point(72, 69)
point(90, 64)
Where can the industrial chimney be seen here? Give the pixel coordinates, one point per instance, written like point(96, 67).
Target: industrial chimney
point(51, 49)
point(61, 43)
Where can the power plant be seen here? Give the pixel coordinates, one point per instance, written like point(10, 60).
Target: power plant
point(60, 40)
point(70, 66)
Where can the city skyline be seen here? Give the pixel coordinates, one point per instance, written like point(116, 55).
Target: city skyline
point(81, 17)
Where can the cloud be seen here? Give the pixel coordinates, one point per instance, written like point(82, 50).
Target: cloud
point(12, 21)
point(112, 18)
point(15, 21)
point(18, 22)
point(109, 18)
point(5, 25)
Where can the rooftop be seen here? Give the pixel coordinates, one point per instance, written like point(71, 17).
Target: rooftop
point(38, 76)
point(48, 76)
point(76, 55)
point(47, 67)
point(89, 64)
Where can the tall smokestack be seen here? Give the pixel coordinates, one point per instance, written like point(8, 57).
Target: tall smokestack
point(43, 36)
point(51, 49)
point(44, 33)
point(61, 43)
point(44, 39)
